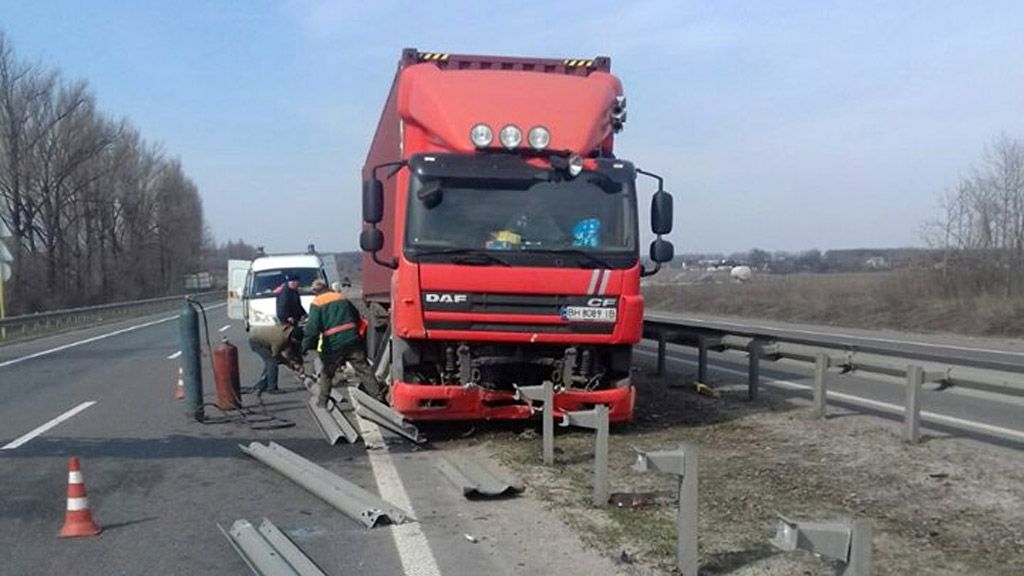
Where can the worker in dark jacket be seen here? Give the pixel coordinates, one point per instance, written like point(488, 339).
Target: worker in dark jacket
point(289, 304)
point(289, 313)
point(334, 318)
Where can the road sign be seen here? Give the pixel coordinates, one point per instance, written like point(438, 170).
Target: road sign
point(5, 254)
point(5, 270)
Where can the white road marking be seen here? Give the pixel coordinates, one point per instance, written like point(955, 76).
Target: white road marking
point(868, 338)
point(42, 353)
point(413, 547)
point(224, 328)
point(175, 355)
point(867, 402)
point(51, 424)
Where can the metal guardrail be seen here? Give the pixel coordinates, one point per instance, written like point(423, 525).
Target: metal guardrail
point(827, 353)
point(29, 325)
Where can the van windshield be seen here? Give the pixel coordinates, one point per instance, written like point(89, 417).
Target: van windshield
point(266, 282)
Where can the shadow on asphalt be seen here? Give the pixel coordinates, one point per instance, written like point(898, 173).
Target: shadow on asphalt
point(126, 523)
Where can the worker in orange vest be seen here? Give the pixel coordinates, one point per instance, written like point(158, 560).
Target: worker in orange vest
point(335, 321)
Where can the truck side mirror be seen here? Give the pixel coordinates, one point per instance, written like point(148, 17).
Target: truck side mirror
point(373, 201)
point(661, 213)
point(371, 240)
point(662, 251)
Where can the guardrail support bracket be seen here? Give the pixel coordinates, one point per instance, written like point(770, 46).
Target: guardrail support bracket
point(845, 540)
point(682, 463)
point(596, 419)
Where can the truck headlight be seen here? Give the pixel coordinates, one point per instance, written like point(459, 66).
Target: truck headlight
point(481, 135)
point(539, 137)
point(510, 136)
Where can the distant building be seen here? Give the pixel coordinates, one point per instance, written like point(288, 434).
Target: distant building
point(877, 263)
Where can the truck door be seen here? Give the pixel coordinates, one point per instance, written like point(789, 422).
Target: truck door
point(237, 272)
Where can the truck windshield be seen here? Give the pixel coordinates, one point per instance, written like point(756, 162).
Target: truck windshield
point(265, 282)
point(540, 223)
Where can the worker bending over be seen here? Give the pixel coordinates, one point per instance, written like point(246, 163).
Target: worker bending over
point(335, 318)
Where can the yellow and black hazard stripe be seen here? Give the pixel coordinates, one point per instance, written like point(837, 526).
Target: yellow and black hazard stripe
point(573, 63)
point(433, 56)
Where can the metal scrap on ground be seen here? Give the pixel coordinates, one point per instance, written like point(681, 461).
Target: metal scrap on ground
point(348, 498)
point(268, 551)
point(477, 480)
point(338, 420)
point(377, 412)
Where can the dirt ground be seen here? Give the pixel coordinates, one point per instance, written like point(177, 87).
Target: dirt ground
point(946, 506)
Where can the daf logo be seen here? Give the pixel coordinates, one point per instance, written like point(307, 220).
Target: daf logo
point(601, 302)
point(434, 298)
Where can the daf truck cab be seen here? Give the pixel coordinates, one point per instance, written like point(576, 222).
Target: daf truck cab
point(253, 285)
point(501, 238)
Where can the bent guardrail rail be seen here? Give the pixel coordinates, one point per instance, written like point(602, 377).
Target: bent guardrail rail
point(829, 351)
point(28, 325)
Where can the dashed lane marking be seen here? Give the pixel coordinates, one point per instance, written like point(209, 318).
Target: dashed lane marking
point(47, 426)
point(175, 355)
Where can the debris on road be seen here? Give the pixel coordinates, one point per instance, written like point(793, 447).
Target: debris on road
point(377, 412)
point(338, 420)
point(476, 480)
point(471, 538)
point(350, 499)
point(268, 550)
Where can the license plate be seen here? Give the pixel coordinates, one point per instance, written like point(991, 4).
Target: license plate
point(588, 314)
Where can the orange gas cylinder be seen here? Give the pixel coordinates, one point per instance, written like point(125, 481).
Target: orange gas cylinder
point(225, 374)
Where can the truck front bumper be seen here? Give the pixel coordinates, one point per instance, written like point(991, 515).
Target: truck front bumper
point(419, 402)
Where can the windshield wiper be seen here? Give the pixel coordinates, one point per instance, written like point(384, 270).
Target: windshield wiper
point(466, 256)
point(595, 260)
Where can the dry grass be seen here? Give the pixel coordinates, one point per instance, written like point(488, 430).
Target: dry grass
point(941, 508)
point(893, 300)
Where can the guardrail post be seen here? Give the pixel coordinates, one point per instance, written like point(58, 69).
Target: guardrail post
point(821, 362)
point(912, 415)
point(661, 353)
point(754, 369)
point(702, 360)
point(681, 462)
point(544, 393)
point(596, 419)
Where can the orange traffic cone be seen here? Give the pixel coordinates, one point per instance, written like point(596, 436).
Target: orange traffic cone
point(78, 518)
point(179, 390)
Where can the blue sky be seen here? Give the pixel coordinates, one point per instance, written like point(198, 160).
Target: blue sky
point(781, 125)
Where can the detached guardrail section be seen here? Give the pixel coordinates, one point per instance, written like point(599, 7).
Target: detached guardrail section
point(917, 368)
point(29, 325)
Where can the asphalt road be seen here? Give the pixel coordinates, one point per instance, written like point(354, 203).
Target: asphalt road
point(995, 353)
point(159, 483)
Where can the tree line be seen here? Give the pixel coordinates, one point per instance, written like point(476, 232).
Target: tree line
point(95, 213)
point(980, 228)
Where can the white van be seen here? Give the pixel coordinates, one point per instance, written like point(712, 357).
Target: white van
point(253, 286)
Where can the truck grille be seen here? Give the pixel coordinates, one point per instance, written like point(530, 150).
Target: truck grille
point(545, 305)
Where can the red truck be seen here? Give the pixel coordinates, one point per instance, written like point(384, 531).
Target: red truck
point(501, 239)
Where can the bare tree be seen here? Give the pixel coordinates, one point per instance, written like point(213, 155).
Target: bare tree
point(981, 225)
point(96, 213)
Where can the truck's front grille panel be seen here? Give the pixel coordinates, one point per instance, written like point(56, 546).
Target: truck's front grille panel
point(520, 328)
